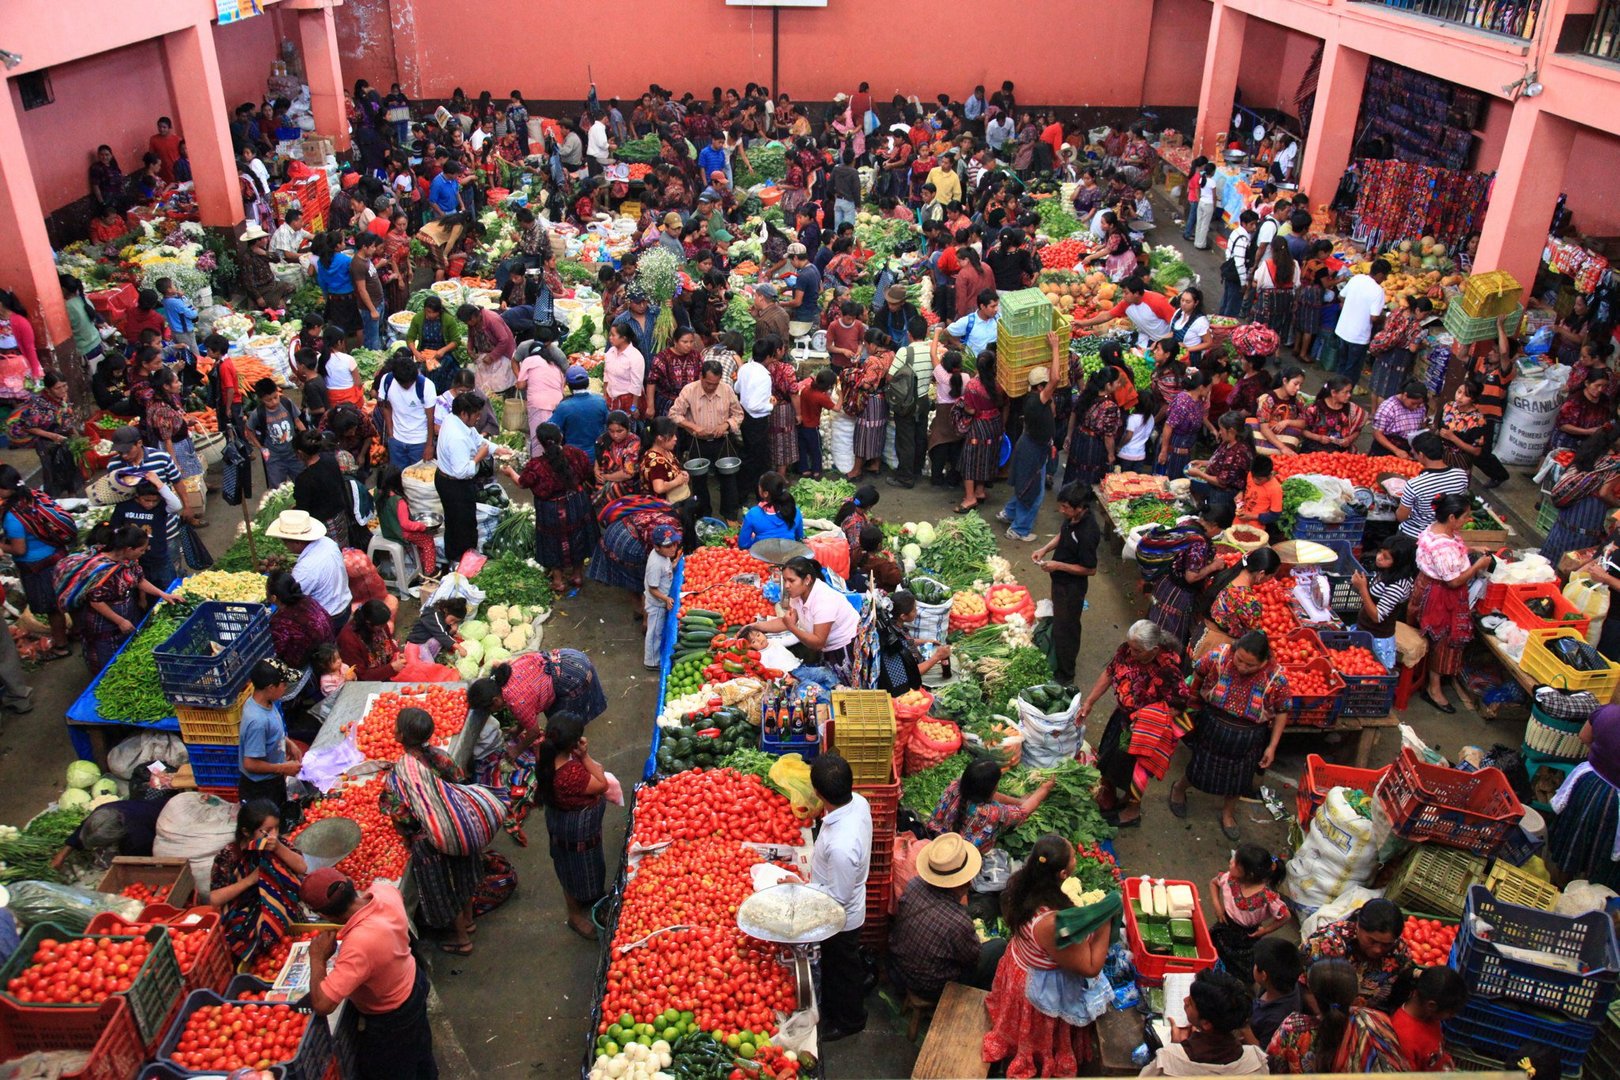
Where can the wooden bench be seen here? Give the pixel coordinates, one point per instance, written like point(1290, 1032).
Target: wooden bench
point(955, 1039)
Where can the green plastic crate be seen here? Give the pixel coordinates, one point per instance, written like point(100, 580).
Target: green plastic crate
point(151, 996)
point(1025, 313)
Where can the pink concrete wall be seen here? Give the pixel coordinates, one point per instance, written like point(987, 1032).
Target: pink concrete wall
point(116, 97)
point(1180, 30)
point(1594, 162)
point(1498, 113)
point(823, 51)
point(1274, 61)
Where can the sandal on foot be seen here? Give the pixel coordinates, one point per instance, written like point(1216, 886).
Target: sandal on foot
point(965, 507)
point(1177, 808)
point(1230, 831)
point(455, 949)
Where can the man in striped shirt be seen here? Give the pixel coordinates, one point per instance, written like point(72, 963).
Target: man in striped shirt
point(1416, 510)
point(133, 462)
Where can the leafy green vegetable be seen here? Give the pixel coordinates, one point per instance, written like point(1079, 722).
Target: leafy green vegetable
point(1149, 508)
point(764, 163)
point(508, 579)
point(1056, 221)
point(739, 319)
point(1026, 666)
point(1070, 810)
point(129, 689)
point(822, 498)
point(306, 301)
point(513, 535)
point(920, 792)
point(746, 759)
point(580, 340)
point(574, 272)
point(643, 151)
point(957, 555)
point(1295, 493)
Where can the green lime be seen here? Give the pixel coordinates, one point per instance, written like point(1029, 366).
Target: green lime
point(627, 1021)
point(733, 1041)
point(746, 1051)
point(688, 1017)
point(717, 1036)
point(671, 1015)
point(644, 1040)
point(669, 1034)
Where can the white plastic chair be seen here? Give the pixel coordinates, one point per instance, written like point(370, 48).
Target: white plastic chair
point(403, 568)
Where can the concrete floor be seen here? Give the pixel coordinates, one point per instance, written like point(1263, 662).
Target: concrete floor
point(518, 1007)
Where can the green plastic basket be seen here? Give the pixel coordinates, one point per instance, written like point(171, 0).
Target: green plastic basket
point(1025, 313)
point(151, 996)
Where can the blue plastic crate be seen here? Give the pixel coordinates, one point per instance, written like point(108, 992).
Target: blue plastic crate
point(1587, 940)
point(215, 766)
point(1364, 695)
point(191, 672)
point(805, 748)
point(1498, 1032)
point(1348, 531)
point(314, 1052)
point(1343, 598)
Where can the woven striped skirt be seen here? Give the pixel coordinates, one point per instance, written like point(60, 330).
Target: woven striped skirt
point(1172, 607)
point(1226, 752)
point(1579, 525)
point(1088, 459)
point(1581, 840)
point(981, 450)
point(784, 437)
point(446, 882)
point(870, 427)
point(620, 558)
point(564, 530)
point(576, 851)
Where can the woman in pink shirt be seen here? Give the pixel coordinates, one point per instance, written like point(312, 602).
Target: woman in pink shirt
point(624, 371)
point(542, 379)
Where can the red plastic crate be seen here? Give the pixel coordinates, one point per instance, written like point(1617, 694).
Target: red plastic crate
point(213, 966)
point(1315, 710)
point(1151, 968)
point(1322, 776)
point(1514, 606)
point(1471, 811)
point(884, 800)
point(1308, 637)
point(108, 1033)
point(1495, 596)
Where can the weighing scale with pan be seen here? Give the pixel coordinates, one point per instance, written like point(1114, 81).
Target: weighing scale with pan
point(796, 917)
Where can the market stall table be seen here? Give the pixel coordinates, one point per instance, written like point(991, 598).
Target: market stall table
point(1510, 665)
point(92, 733)
point(349, 705)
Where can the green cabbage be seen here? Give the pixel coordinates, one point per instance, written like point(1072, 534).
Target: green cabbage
point(474, 630)
point(105, 786)
point(81, 774)
point(73, 798)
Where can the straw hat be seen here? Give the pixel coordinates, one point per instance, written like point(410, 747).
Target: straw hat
point(253, 232)
point(948, 861)
point(295, 525)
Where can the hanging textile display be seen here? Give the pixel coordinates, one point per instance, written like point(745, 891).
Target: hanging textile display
point(1585, 267)
point(1399, 201)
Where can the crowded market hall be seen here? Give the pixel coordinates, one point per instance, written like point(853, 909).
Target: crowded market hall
point(585, 567)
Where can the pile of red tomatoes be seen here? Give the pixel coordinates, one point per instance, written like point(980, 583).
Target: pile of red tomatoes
point(1276, 613)
point(718, 804)
point(447, 706)
point(82, 972)
point(1356, 660)
point(736, 604)
point(1296, 648)
point(266, 965)
point(381, 854)
point(1359, 469)
point(146, 894)
point(711, 969)
point(1428, 940)
point(712, 565)
point(223, 1038)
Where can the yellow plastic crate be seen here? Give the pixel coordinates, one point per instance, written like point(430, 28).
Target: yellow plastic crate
point(1492, 293)
point(1544, 667)
point(1515, 886)
point(863, 733)
point(1435, 880)
point(212, 727)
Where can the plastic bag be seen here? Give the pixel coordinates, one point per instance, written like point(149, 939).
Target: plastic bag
point(195, 826)
point(1322, 510)
point(1048, 737)
point(1590, 599)
point(1350, 901)
point(994, 872)
point(455, 584)
point(841, 445)
point(145, 747)
point(67, 906)
point(791, 774)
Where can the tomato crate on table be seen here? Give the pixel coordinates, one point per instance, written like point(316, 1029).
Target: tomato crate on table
point(1322, 776)
point(1516, 606)
point(1298, 646)
point(1585, 941)
point(150, 996)
point(106, 1033)
point(170, 878)
point(1349, 531)
point(1318, 708)
point(1364, 694)
point(1472, 811)
point(199, 941)
point(310, 1060)
point(1435, 879)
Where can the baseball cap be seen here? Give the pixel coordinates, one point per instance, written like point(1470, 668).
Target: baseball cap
point(125, 437)
point(672, 218)
point(797, 249)
point(316, 891)
point(577, 377)
point(717, 175)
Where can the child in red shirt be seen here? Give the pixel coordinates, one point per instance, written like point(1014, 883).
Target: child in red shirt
point(1437, 996)
point(1262, 500)
point(813, 398)
point(845, 334)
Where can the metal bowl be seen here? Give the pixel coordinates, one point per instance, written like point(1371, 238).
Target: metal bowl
point(328, 842)
point(431, 522)
point(728, 466)
point(698, 466)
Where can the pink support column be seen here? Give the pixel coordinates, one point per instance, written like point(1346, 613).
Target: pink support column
point(317, 34)
point(1333, 119)
point(1528, 181)
point(1223, 57)
point(199, 98)
point(26, 265)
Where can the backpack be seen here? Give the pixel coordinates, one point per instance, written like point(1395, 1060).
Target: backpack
point(388, 381)
point(1157, 551)
point(77, 574)
point(901, 391)
point(47, 522)
point(1229, 270)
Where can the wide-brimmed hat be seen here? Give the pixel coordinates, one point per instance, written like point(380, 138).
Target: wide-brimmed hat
point(253, 232)
point(295, 525)
point(895, 294)
point(1039, 377)
point(948, 861)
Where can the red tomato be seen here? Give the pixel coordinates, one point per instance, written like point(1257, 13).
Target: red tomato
point(85, 971)
point(237, 1035)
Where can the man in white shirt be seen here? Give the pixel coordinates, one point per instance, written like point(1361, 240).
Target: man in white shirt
point(405, 409)
point(484, 132)
point(1362, 306)
point(753, 388)
point(977, 328)
point(838, 867)
point(1283, 167)
point(997, 132)
point(286, 244)
point(1236, 268)
point(1264, 235)
point(596, 143)
point(319, 570)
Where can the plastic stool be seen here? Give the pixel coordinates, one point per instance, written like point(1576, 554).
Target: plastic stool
point(1412, 680)
point(404, 568)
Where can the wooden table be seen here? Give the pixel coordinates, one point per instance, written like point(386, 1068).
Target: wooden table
point(955, 1039)
point(1365, 727)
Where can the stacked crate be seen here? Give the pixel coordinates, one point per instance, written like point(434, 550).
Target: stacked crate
point(1026, 317)
point(862, 732)
point(204, 670)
